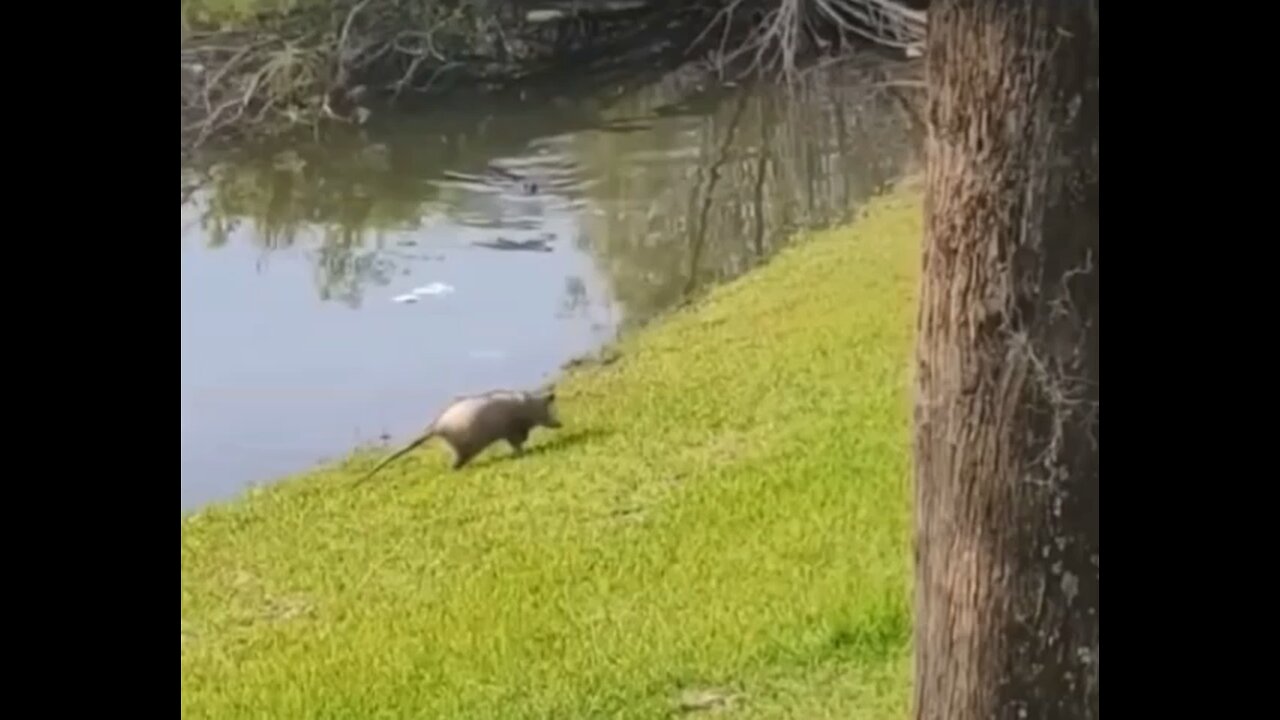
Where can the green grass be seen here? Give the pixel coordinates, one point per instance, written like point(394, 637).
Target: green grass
point(726, 510)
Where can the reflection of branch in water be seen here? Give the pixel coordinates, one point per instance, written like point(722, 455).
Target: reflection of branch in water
point(766, 117)
point(842, 146)
point(807, 142)
point(342, 274)
point(194, 180)
point(700, 231)
point(576, 299)
point(218, 230)
point(911, 111)
point(803, 166)
point(190, 189)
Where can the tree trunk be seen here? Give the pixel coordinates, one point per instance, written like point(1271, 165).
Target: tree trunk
point(1007, 365)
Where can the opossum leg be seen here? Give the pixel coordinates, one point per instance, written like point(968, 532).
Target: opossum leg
point(516, 438)
point(462, 455)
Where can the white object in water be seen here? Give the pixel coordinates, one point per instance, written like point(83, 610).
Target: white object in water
point(406, 298)
point(541, 16)
point(435, 288)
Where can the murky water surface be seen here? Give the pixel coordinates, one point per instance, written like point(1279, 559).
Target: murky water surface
point(339, 294)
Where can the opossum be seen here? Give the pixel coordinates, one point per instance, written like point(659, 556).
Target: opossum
point(472, 423)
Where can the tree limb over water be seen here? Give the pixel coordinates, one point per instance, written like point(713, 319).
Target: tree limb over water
point(779, 34)
point(338, 61)
point(268, 73)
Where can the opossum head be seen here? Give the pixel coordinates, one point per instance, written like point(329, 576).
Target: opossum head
point(544, 408)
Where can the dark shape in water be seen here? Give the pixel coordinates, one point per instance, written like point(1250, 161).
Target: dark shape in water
point(529, 186)
point(534, 245)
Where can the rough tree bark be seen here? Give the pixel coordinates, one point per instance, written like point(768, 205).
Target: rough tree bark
point(1007, 365)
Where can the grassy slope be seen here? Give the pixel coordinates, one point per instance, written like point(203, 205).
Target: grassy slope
point(727, 507)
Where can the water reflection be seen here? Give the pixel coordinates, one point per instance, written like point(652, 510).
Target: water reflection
point(705, 198)
point(553, 240)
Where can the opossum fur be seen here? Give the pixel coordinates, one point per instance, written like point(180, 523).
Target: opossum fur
point(472, 423)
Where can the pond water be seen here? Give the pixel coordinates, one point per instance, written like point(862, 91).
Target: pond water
point(338, 294)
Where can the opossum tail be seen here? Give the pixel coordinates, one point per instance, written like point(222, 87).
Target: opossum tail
point(430, 433)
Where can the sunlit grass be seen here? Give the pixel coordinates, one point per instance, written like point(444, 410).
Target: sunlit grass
point(723, 519)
